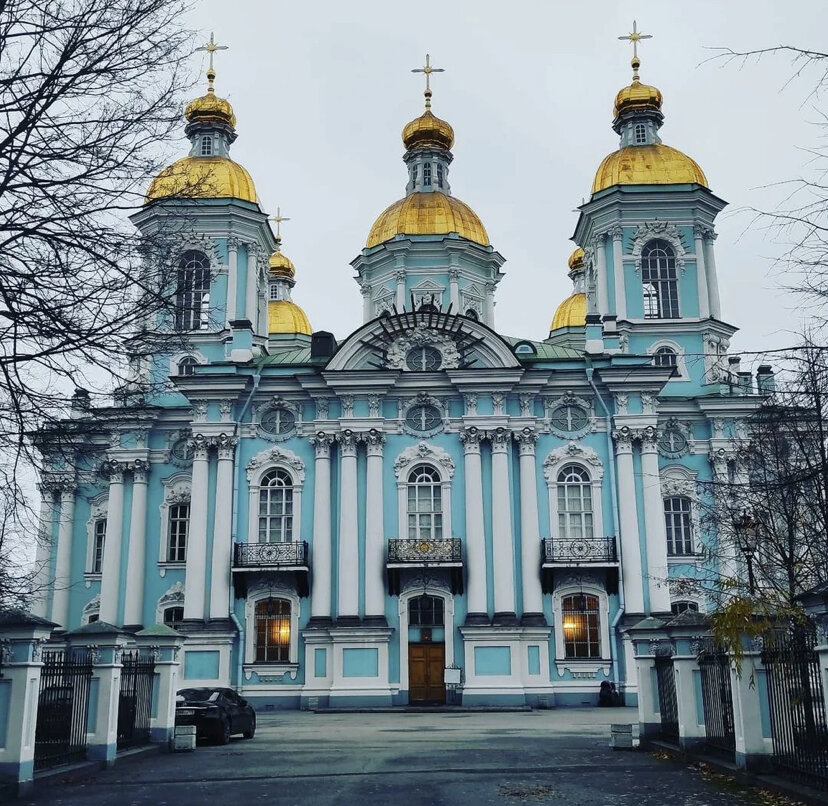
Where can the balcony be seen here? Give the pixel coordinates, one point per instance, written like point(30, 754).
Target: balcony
point(424, 553)
point(291, 558)
point(579, 552)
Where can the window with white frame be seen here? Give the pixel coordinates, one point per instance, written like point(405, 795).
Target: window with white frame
point(665, 357)
point(581, 623)
point(425, 504)
point(98, 540)
point(179, 526)
point(678, 510)
point(276, 507)
point(272, 617)
point(574, 503)
point(192, 298)
point(659, 281)
point(569, 418)
point(173, 616)
point(677, 608)
point(187, 365)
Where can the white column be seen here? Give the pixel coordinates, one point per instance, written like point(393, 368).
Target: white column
point(701, 272)
point(712, 277)
point(630, 547)
point(63, 560)
point(44, 550)
point(530, 543)
point(348, 578)
point(476, 596)
point(374, 528)
point(232, 277)
point(454, 290)
point(196, 567)
point(321, 581)
point(137, 552)
point(618, 272)
point(400, 277)
point(502, 543)
point(222, 529)
point(252, 288)
point(490, 289)
point(111, 566)
point(601, 271)
point(654, 525)
point(367, 312)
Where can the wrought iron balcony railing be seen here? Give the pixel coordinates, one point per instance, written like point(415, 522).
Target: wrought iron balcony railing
point(271, 555)
point(425, 552)
point(578, 550)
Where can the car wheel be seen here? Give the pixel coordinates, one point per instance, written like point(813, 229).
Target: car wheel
point(224, 735)
point(251, 731)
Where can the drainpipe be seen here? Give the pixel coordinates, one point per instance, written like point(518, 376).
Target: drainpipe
point(614, 641)
point(233, 529)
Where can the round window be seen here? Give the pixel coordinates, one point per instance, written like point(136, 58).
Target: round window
point(672, 441)
point(570, 418)
point(181, 451)
point(278, 421)
point(423, 418)
point(424, 359)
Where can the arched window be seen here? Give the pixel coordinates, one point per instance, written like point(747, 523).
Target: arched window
point(173, 616)
point(581, 626)
point(676, 608)
point(272, 619)
point(425, 504)
point(426, 611)
point(187, 365)
point(574, 503)
point(192, 299)
point(276, 507)
point(98, 538)
point(179, 515)
point(206, 146)
point(660, 282)
point(471, 313)
point(677, 516)
point(439, 175)
point(427, 174)
point(640, 133)
point(665, 357)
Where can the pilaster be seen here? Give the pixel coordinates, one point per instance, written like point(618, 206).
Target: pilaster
point(196, 566)
point(628, 521)
point(136, 555)
point(374, 529)
point(348, 581)
point(63, 556)
point(654, 526)
point(222, 560)
point(321, 580)
point(502, 539)
point(111, 566)
point(475, 537)
point(530, 530)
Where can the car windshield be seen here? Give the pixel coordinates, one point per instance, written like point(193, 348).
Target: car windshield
point(198, 694)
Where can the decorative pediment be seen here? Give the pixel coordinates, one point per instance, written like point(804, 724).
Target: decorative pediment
point(273, 457)
point(422, 336)
point(173, 596)
point(423, 452)
point(663, 230)
point(572, 451)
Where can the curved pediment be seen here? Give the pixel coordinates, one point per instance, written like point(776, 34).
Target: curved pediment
point(386, 342)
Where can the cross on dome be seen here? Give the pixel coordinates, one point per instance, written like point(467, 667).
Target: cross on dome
point(427, 69)
point(278, 219)
point(211, 47)
point(635, 36)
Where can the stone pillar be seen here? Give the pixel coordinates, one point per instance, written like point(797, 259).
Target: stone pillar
point(502, 541)
point(196, 567)
point(43, 565)
point(601, 272)
point(348, 577)
point(374, 530)
point(367, 307)
point(530, 541)
point(222, 530)
point(628, 522)
point(728, 561)
point(490, 289)
point(712, 277)
point(476, 596)
point(400, 278)
point(618, 272)
point(252, 288)
point(232, 278)
point(136, 557)
point(655, 529)
point(751, 749)
point(701, 272)
point(454, 290)
point(111, 566)
point(649, 718)
point(63, 559)
point(21, 640)
point(321, 580)
point(686, 664)
point(164, 644)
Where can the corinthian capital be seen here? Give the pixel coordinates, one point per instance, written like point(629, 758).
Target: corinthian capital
point(526, 439)
point(374, 440)
point(226, 446)
point(322, 443)
point(500, 439)
point(471, 437)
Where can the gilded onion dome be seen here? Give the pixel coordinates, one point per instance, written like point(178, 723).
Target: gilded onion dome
point(285, 316)
point(572, 311)
point(281, 264)
point(576, 261)
point(211, 108)
point(428, 131)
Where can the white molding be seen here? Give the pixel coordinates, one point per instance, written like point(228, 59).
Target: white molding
point(677, 480)
point(574, 453)
point(177, 490)
point(588, 666)
point(658, 230)
point(261, 463)
point(172, 597)
point(254, 595)
point(433, 456)
point(97, 511)
point(681, 364)
point(91, 608)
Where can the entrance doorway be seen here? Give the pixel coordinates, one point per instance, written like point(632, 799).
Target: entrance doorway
point(426, 665)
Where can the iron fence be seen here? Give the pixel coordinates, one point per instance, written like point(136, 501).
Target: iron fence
point(580, 550)
point(797, 706)
point(135, 699)
point(667, 701)
point(417, 551)
point(62, 708)
point(717, 699)
point(254, 555)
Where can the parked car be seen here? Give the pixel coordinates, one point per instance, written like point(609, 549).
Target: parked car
point(217, 713)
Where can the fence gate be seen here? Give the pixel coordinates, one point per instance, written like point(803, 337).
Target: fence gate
point(717, 699)
point(797, 707)
point(667, 704)
point(62, 707)
point(135, 700)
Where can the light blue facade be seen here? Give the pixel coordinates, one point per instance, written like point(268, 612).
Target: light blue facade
point(313, 572)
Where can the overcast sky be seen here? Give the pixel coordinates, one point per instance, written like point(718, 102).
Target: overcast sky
point(322, 89)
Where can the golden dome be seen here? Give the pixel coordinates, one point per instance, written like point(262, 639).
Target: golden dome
point(576, 260)
point(637, 96)
point(427, 214)
point(571, 312)
point(428, 131)
point(281, 264)
point(654, 164)
point(285, 316)
point(203, 178)
point(210, 107)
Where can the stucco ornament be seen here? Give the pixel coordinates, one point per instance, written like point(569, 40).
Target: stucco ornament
point(420, 452)
point(277, 456)
point(661, 230)
point(572, 451)
point(173, 596)
point(422, 336)
point(676, 439)
point(178, 495)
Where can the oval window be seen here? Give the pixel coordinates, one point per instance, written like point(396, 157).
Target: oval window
point(424, 359)
point(278, 421)
point(423, 418)
point(570, 418)
point(672, 441)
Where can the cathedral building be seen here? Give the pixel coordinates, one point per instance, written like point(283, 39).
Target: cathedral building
point(426, 508)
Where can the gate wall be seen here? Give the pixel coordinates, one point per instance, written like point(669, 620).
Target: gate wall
point(135, 698)
point(717, 699)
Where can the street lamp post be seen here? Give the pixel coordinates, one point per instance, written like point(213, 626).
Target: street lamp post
point(746, 528)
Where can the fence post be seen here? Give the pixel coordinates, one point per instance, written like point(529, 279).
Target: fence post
point(751, 749)
point(105, 643)
point(165, 644)
point(22, 636)
point(684, 630)
point(644, 635)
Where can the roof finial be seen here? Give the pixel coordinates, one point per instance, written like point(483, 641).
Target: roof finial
point(278, 219)
point(635, 36)
point(428, 70)
point(211, 47)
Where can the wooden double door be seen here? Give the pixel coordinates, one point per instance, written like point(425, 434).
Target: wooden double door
point(426, 669)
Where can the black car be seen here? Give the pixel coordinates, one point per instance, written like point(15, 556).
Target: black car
point(217, 713)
